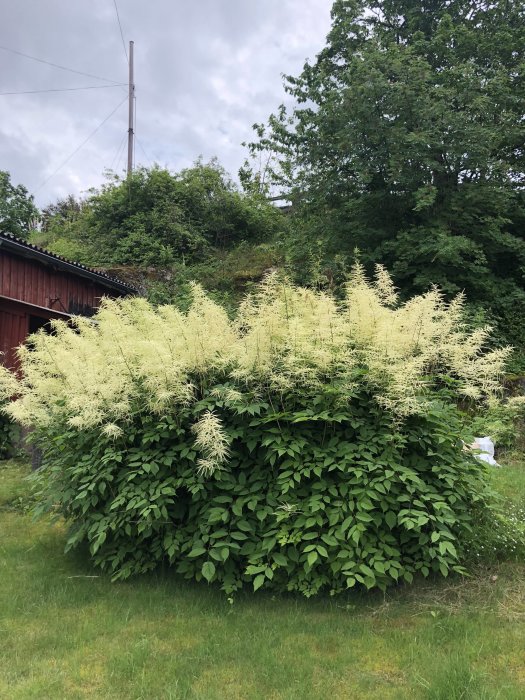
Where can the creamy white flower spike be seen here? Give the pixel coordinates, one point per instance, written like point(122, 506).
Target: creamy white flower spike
point(284, 337)
point(212, 442)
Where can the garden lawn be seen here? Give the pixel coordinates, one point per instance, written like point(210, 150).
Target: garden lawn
point(67, 632)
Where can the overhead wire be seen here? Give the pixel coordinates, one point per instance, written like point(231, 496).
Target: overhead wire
point(113, 83)
point(79, 147)
point(56, 65)
point(122, 159)
point(134, 98)
point(116, 157)
point(121, 32)
point(135, 135)
point(72, 89)
point(144, 152)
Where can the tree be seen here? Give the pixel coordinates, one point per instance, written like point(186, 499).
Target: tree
point(17, 210)
point(406, 142)
point(63, 212)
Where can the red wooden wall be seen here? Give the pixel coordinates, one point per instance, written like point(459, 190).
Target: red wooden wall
point(14, 326)
point(31, 281)
point(30, 288)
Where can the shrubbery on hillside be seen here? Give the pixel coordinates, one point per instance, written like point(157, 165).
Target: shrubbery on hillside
point(155, 217)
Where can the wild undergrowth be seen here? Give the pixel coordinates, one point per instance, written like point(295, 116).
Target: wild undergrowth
point(307, 445)
point(9, 434)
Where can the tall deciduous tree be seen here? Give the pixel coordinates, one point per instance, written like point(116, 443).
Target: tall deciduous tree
point(17, 210)
point(407, 142)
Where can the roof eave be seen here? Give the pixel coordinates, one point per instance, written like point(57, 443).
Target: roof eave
point(25, 250)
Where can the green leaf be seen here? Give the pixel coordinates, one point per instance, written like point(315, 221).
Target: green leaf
point(258, 581)
point(330, 540)
point(322, 550)
point(390, 518)
point(280, 559)
point(367, 571)
point(208, 570)
point(312, 558)
point(255, 569)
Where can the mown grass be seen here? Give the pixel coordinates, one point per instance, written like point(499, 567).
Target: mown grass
point(67, 632)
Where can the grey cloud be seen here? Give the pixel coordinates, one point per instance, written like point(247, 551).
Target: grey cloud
point(205, 72)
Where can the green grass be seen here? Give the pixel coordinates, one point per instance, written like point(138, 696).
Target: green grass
point(510, 480)
point(67, 632)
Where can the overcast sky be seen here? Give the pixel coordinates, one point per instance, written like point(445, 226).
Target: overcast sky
point(205, 71)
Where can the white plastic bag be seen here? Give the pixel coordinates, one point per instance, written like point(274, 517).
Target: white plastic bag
point(486, 447)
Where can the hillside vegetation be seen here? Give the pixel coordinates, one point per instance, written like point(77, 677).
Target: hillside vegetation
point(161, 230)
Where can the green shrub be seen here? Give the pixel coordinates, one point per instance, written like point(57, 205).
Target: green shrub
point(314, 495)
point(503, 421)
point(8, 436)
point(228, 274)
point(307, 445)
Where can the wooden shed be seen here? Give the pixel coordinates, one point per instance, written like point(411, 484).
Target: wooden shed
point(36, 286)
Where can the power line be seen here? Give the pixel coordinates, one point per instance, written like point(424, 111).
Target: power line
point(89, 87)
point(79, 147)
point(136, 138)
point(121, 159)
point(121, 32)
point(143, 151)
point(56, 65)
point(134, 128)
point(116, 157)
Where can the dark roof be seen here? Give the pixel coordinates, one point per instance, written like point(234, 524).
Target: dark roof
point(28, 250)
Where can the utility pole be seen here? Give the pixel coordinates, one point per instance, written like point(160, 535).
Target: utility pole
point(131, 109)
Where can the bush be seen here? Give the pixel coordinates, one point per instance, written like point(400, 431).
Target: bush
point(5, 436)
point(8, 436)
point(305, 445)
point(502, 421)
point(154, 217)
point(314, 495)
point(230, 274)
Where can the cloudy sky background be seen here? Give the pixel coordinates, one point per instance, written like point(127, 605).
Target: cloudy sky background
point(205, 71)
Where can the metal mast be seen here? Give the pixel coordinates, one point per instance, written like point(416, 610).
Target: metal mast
point(131, 110)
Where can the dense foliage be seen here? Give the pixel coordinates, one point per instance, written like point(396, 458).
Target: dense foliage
point(9, 434)
point(307, 444)
point(314, 495)
point(157, 218)
point(406, 142)
point(226, 274)
point(5, 436)
point(503, 422)
point(18, 214)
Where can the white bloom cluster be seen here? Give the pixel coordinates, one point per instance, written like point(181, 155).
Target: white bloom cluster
point(96, 372)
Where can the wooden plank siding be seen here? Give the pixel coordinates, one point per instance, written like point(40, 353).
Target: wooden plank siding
point(29, 281)
point(36, 286)
point(14, 327)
